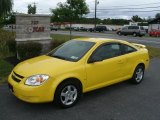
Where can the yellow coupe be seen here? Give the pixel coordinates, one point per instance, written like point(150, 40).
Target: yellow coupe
point(76, 67)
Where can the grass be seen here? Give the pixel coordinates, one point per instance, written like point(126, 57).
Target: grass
point(154, 52)
point(63, 38)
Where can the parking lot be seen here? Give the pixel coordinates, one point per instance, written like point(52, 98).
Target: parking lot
point(123, 101)
point(149, 41)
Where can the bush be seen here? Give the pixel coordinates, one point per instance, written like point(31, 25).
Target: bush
point(7, 43)
point(11, 45)
point(28, 50)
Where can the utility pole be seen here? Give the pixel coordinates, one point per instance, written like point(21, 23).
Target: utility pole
point(96, 3)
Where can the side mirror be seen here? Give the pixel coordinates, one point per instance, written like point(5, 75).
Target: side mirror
point(93, 60)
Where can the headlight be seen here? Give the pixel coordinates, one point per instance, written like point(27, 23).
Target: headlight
point(36, 80)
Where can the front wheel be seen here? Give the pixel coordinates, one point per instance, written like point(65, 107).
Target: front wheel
point(138, 75)
point(68, 94)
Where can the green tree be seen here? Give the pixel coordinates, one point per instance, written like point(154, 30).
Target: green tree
point(5, 7)
point(69, 11)
point(32, 8)
point(9, 18)
point(136, 18)
point(157, 15)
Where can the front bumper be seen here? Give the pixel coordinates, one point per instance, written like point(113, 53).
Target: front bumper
point(31, 94)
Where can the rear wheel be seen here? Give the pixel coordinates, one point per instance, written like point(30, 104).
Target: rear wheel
point(134, 34)
point(68, 93)
point(138, 74)
point(119, 33)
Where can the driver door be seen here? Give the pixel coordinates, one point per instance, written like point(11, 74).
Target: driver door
point(107, 68)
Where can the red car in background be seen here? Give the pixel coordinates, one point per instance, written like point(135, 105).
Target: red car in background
point(154, 33)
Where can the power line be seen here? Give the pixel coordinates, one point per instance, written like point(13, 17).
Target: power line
point(143, 11)
point(127, 11)
point(129, 8)
point(134, 8)
point(138, 4)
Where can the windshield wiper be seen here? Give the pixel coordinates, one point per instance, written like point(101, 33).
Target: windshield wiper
point(60, 57)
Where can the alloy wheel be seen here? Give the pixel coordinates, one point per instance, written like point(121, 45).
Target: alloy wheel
point(69, 95)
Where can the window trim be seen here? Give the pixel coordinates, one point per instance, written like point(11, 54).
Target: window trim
point(128, 46)
point(100, 47)
point(109, 44)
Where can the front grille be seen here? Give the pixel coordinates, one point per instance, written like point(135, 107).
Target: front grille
point(16, 79)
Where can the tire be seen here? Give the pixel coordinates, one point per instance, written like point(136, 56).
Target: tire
point(68, 93)
point(119, 33)
point(138, 75)
point(134, 34)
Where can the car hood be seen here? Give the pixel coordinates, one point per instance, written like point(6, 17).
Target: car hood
point(43, 65)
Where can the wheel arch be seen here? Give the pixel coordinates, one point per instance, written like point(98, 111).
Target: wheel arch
point(71, 79)
point(57, 84)
point(141, 64)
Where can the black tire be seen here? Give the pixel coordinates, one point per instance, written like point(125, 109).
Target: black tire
point(58, 99)
point(134, 34)
point(138, 79)
point(119, 33)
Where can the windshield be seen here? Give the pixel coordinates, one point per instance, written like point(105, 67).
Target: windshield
point(73, 50)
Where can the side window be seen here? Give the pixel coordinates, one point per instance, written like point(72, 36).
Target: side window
point(130, 27)
point(124, 28)
point(127, 49)
point(136, 27)
point(107, 51)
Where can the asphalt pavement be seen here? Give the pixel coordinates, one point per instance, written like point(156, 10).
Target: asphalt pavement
point(150, 41)
point(123, 101)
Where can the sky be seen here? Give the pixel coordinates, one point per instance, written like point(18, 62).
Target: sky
point(105, 9)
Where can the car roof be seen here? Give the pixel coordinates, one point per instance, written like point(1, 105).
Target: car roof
point(102, 40)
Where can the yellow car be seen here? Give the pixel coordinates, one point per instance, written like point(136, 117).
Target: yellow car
point(76, 67)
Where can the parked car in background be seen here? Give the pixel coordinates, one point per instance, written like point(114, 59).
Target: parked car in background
point(76, 28)
point(76, 67)
point(83, 29)
point(155, 33)
point(91, 29)
point(53, 28)
point(99, 29)
point(132, 30)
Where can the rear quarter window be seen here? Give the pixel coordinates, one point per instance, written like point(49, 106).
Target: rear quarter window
point(126, 49)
